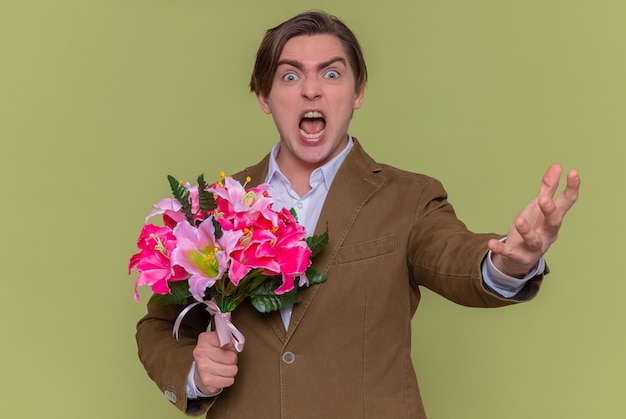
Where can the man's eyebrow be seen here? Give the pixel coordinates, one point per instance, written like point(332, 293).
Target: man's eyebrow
point(299, 66)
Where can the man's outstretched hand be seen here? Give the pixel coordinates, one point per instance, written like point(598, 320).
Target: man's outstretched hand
point(537, 226)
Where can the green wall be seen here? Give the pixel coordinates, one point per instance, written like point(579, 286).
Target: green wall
point(99, 100)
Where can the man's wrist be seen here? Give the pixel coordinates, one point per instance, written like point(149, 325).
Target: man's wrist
point(506, 285)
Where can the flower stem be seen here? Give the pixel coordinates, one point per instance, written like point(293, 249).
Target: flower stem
point(231, 295)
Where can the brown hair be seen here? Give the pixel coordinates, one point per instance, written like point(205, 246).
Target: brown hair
point(308, 23)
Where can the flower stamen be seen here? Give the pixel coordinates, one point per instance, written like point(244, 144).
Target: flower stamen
point(159, 246)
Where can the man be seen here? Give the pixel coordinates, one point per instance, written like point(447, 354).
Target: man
point(345, 350)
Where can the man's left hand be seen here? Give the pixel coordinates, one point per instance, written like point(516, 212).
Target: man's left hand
point(537, 226)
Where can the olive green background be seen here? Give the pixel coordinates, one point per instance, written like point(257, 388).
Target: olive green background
point(100, 100)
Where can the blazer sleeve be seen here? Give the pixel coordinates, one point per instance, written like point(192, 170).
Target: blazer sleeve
point(446, 257)
point(168, 360)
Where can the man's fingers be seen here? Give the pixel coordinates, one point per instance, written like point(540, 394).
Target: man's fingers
point(209, 348)
point(216, 367)
point(211, 381)
point(569, 196)
point(531, 237)
point(550, 180)
point(552, 215)
point(554, 210)
point(496, 246)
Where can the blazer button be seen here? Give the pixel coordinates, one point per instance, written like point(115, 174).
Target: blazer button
point(171, 396)
point(288, 358)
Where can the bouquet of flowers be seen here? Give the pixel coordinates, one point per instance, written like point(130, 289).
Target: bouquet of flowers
point(221, 244)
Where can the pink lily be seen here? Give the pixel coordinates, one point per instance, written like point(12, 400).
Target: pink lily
point(279, 250)
point(237, 208)
point(201, 255)
point(153, 260)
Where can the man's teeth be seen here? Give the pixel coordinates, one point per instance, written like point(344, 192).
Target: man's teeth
point(313, 114)
point(311, 136)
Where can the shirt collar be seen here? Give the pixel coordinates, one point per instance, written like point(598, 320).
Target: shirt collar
point(328, 170)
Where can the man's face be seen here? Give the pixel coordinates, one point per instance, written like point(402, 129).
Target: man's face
point(312, 100)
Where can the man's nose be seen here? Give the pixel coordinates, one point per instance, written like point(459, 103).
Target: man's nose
point(312, 88)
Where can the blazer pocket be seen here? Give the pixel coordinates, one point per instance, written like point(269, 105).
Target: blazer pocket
point(366, 250)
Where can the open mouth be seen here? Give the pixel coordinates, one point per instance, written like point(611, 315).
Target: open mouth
point(312, 125)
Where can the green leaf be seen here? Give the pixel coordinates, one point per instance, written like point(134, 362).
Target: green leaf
point(265, 300)
point(206, 199)
point(179, 294)
point(182, 195)
point(317, 243)
point(218, 228)
point(314, 276)
point(294, 214)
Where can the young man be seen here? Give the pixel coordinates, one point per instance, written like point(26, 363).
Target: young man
point(345, 350)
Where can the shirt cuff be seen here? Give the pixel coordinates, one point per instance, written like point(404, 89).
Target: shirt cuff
point(192, 390)
point(505, 285)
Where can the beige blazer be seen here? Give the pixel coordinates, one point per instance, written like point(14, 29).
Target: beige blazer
point(347, 353)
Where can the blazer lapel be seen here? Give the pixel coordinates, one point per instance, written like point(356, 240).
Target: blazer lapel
point(257, 173)
point(356, 181)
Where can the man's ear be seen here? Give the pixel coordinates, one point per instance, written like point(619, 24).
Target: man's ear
point(263, 103)
point(359, 97)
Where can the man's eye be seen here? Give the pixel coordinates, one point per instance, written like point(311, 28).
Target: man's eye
point(290, 77)
point(332, 74)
